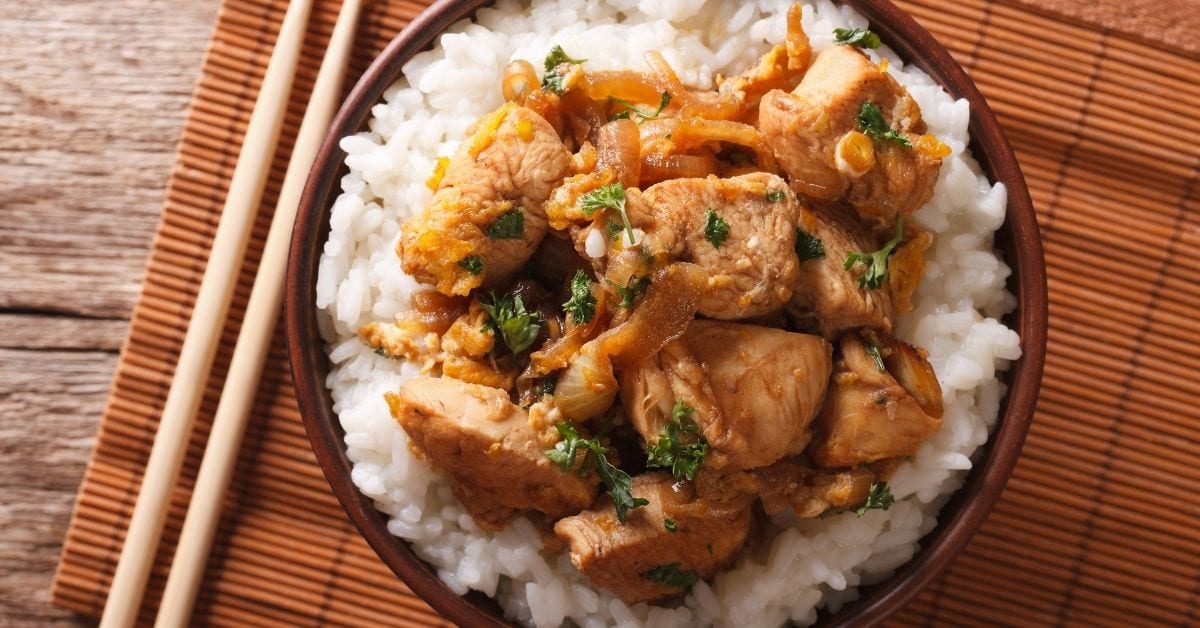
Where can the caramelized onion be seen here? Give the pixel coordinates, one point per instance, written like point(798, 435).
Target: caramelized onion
point(910, 367)
point(518, 80)
point(658, 167)
point(694, 132)
point(588, 386)
point(432, 311)
point(618, 147)
point(623, 84)
point(661, 316)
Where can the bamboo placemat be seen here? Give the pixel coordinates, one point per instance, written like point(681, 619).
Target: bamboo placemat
point(1098, 524)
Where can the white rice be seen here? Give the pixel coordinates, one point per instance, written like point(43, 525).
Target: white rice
point(801, 565)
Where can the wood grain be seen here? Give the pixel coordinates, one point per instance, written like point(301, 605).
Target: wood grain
point(92, 95)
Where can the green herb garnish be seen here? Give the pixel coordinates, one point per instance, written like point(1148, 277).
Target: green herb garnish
point(582, 305)
point(873, 351)
point(875, 264)
point(555, 69)
point(630, 293)
point(670, 525)
point(611, 196)
point(632, 112)
point(776, 195)
point(716, 230)
point(672, 576)
point(473, 264)
point(808, 246)
point(508, 226)
point(612, 229)
point(860, 37)
point(880, 498)
point(681, 447)
point(871, 122)
point(517, 327)
point(546, 386)
point(618, 482)
point(381, 352)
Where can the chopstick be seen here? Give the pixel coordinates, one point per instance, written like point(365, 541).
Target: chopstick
point(208, 318)
point(254, 338)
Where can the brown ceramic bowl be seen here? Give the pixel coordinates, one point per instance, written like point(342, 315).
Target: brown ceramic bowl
point(1018, 239)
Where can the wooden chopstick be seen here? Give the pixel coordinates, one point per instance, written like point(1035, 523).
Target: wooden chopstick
point(208, 318)
point(254, 338)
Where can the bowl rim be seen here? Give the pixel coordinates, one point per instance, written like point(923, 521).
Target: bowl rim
point(959, 519)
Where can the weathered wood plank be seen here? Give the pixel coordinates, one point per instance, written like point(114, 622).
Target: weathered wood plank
point(92, 96)
point(40, 331)
point(50, 402)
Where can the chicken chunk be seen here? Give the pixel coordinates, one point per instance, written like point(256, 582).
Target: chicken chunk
point(741, 230)
point(788, 485)
point(477, 438)
point(884, 401)
point(753, 390)
point(827, 298)
point(486, 219)
point(818, 141)
point(641, 559)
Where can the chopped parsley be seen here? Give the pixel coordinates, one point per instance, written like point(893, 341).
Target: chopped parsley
point(871, 122)
point(808, 246)
point(860, 37)
point(873, 351)
point(555, 69)
point(508, 226)
point(545, 386)
point(631, 292)
point(582, 305)
point(716, 230)
point(776, 195)
point(875, 264)
point(514, 325)
point(681, 447)
point(618, 482)
point(672, 576)
point(637, 115)
point(671, 525)
point(612, 228)
point(380, 352)
point(611, 196)
point(473, 264)
point(880, 498)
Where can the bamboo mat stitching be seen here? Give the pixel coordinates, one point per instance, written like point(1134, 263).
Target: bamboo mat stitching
point(1060, 177)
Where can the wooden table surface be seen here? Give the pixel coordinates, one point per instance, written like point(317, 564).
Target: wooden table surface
point(92, 98)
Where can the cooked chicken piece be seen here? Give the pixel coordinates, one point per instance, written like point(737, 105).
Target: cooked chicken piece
point(486, 218)
point(753, 390)
point(827, 298)
point(815, 134)
point(787, 485)
point(876, 408)
point(633, 559)
point(742, 232)
point(477, 438)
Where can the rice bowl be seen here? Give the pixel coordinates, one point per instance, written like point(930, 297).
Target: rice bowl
point(802, 565)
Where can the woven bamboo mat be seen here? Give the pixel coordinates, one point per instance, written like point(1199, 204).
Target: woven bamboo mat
point(1098, 524)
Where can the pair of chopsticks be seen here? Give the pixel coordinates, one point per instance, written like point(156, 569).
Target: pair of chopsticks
point(208, 318)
